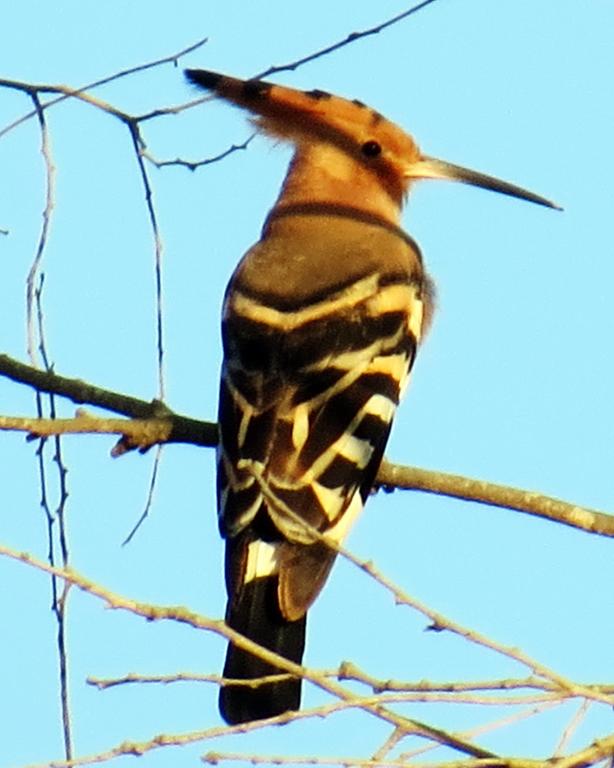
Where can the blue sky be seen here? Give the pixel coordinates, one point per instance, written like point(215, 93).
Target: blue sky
point(512, 385)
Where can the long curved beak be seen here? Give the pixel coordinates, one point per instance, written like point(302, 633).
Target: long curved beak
point(432, 168)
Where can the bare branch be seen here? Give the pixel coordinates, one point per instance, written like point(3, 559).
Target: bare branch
point(140, 748)
point(215, 758)
point(349, 671)
point(351, 38)
point(55, 520)
point(197, 621)
point(67, 92)
point(139, 145)
point(578, 716)
point(33, 274)
point(150, 493)
point(599, 750)
point(136, 433)
point(192, 165)
point(488, 727)
point(439, 621)
point(441, 483)
point(395, 737)
point(424, 696)
point(184, 677)
point(184, 429)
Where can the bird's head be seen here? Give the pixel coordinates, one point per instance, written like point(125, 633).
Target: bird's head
point(343, 146)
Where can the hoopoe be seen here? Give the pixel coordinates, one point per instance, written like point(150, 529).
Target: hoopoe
point(321, 321)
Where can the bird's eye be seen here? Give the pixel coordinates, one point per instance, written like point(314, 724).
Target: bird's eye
point(371, 148)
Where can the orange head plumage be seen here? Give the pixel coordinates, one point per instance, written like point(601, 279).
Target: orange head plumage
point(345, 152)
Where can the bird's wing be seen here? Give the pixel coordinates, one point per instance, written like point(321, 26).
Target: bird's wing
point(306, 405)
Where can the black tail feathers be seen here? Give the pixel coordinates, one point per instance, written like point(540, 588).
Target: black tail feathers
point(256, 615)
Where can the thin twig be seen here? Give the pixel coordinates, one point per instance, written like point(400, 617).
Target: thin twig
point(415, 696)
point(351, 38)
point(140, 748)
point(150, 496)
point(393, 740)
point(60, 597)
point(66, 92)
point(599, 750)
point(349, 671)
point(425, 697)
point(493, 725)
point(33, 274)
point(439, 621)
point(184, 677)
point(571, 727)
point(192, 165)
point(214, 758)
point(139, 145)
point(197, 621)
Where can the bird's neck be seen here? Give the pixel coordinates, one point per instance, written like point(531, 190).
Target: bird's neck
point(325, 175)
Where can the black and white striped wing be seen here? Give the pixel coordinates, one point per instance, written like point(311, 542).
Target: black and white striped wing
point(308, 394)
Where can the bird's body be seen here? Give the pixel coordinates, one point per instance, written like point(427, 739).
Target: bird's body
point(313, 371)
point(321, 323)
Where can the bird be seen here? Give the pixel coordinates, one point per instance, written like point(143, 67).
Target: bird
point(321, 322)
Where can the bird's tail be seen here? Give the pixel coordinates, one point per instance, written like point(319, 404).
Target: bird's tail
point(255, 614)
